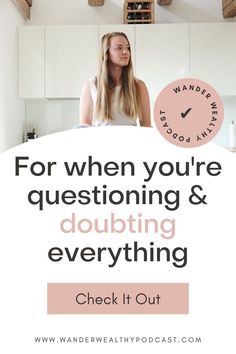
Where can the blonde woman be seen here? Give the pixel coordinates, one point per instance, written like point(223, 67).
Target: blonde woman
point(115, 96)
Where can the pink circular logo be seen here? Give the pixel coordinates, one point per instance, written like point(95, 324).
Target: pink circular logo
point(188, 112)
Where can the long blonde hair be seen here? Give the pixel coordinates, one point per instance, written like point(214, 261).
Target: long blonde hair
point(129, 93)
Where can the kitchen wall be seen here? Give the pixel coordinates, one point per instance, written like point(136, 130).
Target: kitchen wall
point(12, 110)
point(56, 115)
point(222, 138)
point(51, 116)
point(53, 12)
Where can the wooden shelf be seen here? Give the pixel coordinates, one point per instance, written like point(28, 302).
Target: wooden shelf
point(164, 2)
point(229, 8)
point(23, 7)
point(138, 12)
point(96, 2)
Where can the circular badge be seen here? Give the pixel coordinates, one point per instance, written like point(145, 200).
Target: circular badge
point(188, 112)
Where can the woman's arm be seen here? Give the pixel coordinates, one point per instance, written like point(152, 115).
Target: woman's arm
point(86, 106)
point(145, 120)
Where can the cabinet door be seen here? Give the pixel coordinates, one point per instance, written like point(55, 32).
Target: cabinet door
point(162, 55)
point(127, 29)
point(31, 62)
point(213, 55)
point(70, 59)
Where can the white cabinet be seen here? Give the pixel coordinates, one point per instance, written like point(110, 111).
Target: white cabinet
point(162, 55)
point(55, 61)
point(31, 62)
point(70, 59)
point(213, 55)
point(127, 29)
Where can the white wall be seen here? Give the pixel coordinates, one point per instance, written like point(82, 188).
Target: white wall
point(222, 138)
point(12, 110)
point(51, 116)
point(53, 12)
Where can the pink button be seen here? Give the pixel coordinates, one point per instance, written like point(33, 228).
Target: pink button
point(118, 298)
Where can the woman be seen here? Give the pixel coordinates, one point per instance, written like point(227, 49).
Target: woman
point(115, 96)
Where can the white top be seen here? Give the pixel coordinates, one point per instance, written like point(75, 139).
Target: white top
point(118, 116)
